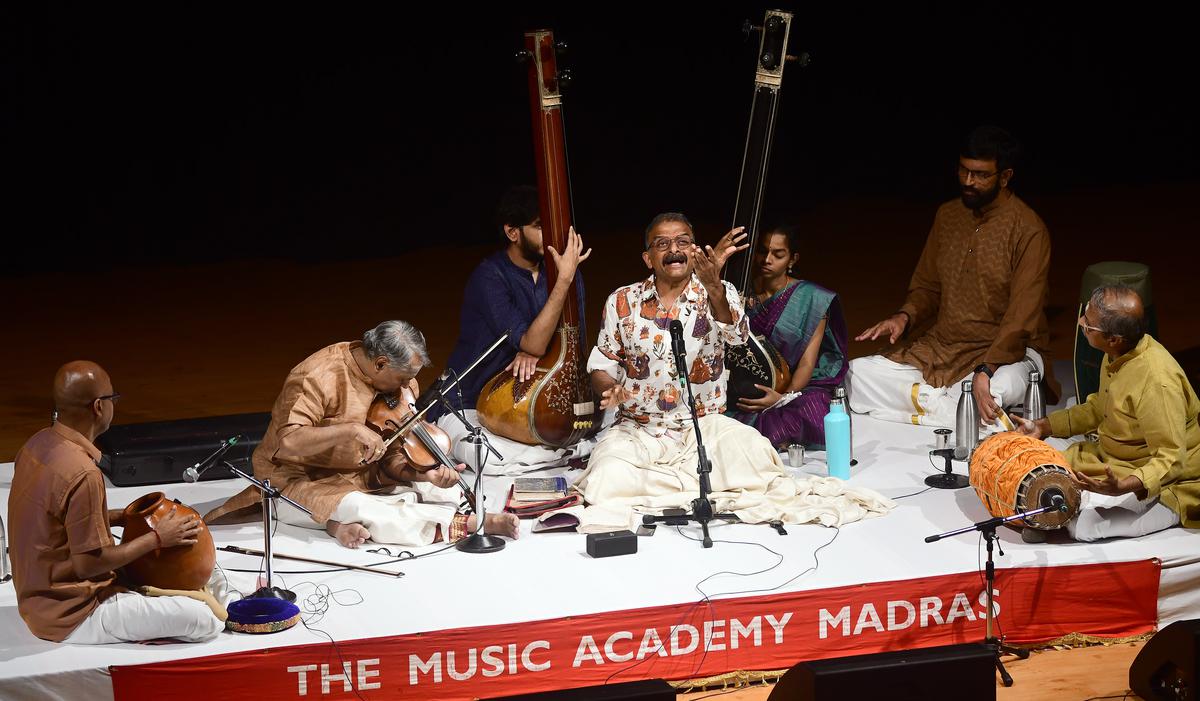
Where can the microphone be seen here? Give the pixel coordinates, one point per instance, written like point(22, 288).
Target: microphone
point(678, 348)
point(1053, 497)
point(193, 473)
point(431, 393)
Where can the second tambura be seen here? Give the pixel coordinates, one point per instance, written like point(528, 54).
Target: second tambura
point(1013, 473)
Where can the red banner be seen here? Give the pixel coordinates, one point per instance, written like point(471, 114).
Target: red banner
point(1032, 604)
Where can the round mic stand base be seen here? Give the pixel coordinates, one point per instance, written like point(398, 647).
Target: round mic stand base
point(274, 593)
point(948, 481)
point(480, 543)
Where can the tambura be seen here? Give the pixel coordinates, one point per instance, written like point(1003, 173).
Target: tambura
point(1012, 473)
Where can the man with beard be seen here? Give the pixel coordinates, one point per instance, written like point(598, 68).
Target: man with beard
point(648, 458)
point(981, 281)
point(508, 292)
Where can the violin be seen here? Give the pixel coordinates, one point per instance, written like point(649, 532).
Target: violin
point(424, 445)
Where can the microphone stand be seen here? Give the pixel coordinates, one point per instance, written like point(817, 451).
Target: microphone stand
point(988, 529)
point(946, 480)
point(477, 542)
point(269, 493)
point(702, 508)
point(5, 575)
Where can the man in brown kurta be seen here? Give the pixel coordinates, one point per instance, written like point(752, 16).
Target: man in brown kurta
point(63, 553)
point(319, 452)
point(982, 282)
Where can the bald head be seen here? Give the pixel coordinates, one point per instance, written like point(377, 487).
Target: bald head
point(1119, 312)
point(78, 386)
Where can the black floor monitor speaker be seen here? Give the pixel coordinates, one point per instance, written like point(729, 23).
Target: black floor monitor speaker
point(645, 690)
point(1166, 668)
point(159, 452)
point(949, 672)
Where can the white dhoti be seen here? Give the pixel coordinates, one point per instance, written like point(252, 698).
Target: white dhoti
point(130, 617)
point(630, 467)
point(410, 515)
point(894, 391)
point(518, 458)
point(1125, 516)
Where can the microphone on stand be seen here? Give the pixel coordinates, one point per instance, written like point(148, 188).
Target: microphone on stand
point(431, 393)
point(678, 349)
point(192, 474)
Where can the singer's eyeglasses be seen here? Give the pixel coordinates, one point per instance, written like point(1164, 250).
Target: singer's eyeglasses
point(111, 397)
point(663, 244)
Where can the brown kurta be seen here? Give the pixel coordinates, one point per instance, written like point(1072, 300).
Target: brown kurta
point(57, 508)
point(983, 278)
point(327, 389)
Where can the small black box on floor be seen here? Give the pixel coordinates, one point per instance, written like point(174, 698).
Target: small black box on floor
point(613, 543)
point(159, 452)
point(949, 672)
point(1166, 668)
point(646, 690)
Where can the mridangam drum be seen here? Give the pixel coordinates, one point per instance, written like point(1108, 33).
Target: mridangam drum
point(1012, 473)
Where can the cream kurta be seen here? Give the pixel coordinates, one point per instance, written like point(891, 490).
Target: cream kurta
point(327, 389)
point(1145, 413)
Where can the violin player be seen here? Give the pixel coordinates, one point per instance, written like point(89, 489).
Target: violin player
point(320, 451)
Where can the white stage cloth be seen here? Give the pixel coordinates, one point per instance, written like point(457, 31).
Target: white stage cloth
point(543, 576)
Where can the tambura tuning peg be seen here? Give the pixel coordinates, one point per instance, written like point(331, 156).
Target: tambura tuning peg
point(522, 56)
point(749, 28)
point(560, 48)
point(564, 78)
point(803, 60)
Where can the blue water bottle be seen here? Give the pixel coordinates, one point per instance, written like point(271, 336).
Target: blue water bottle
point(837, 439)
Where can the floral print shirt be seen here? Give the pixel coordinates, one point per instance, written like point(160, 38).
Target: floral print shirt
point(634, 347)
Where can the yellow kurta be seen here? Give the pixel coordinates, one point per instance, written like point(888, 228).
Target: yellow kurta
point(1145, 414)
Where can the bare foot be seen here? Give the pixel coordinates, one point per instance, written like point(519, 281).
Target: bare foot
point(504, 524)
point(350, 535)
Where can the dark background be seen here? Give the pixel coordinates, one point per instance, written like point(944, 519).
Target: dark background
point(216, 132)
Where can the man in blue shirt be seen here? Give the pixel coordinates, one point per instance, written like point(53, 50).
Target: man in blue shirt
point(508, 292)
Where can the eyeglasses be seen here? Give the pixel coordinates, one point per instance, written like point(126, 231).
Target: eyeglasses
point(1083, 322)
point(978, 176)
point(110, 397)
point(663, 244)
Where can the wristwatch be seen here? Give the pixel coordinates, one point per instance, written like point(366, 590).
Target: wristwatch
point(982, 367)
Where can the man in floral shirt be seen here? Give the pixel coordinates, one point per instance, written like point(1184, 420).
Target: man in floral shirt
point(648, 458)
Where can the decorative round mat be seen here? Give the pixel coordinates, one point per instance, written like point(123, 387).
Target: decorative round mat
point(262, 615)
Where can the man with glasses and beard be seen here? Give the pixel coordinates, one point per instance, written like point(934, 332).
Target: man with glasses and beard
point(981, 282)
point(508, 292)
